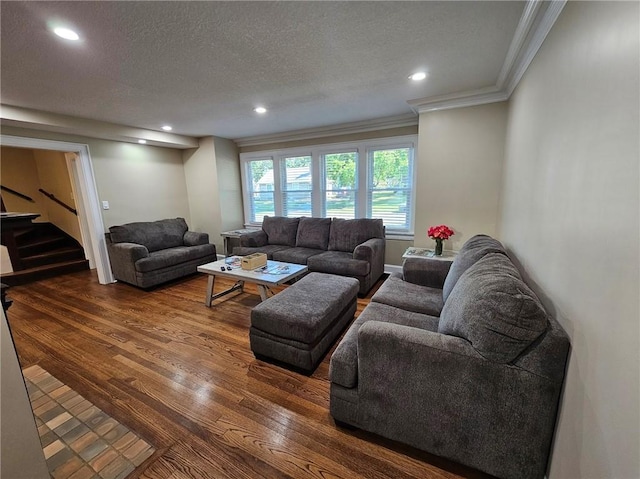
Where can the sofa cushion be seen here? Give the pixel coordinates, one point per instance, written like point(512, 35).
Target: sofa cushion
point(343, 369)
point(492, 308)
point(345, 235)
point(338, 262)
point(313, 233)
point(155, 235)
point(281, 230)
point(295, 255)
point(397, 292)
point(474, 249)
point(172, 256)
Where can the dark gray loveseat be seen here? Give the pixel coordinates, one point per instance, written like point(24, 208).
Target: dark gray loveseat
point(352, 248)
point(462, 363)
point(149, 253)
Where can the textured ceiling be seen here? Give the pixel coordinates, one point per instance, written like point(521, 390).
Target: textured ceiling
point(203, 66)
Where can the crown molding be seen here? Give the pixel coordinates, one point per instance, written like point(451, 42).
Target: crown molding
point(459, 100)
point(518, 42)
point(538, 17)
point(334, 130)
point(545, 21)
point(43, 121)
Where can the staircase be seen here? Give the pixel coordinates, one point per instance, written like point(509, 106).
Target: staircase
point(42, 250)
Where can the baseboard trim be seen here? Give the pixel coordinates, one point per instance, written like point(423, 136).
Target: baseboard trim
point(392, 268)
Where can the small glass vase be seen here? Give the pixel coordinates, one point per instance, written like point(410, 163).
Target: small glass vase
point(438, 247)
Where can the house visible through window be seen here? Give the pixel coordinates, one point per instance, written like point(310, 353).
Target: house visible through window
point(297, 186)
point(260, 187)
point(368, 179)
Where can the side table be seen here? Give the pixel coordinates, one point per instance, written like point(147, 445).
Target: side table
point(425, 253)
point(416, 261)
point(234, 234)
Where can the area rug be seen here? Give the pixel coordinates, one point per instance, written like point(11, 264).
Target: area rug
point(79, 440)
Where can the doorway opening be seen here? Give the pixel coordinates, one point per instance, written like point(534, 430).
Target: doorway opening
point(86, 197)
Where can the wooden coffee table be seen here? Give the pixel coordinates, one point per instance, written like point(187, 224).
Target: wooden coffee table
point(275, 273)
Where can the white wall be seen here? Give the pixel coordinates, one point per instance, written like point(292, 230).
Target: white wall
point(19, 171)
point(21, 455)
point(213, 182)
point(229, 184)
point(141, 182)
point(570, 216)
point(54, 178)
point(201, 176)
point(459, 172)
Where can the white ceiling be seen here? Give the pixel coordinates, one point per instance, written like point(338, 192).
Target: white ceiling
point(203, 66)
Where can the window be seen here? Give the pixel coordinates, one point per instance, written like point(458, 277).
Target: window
point(367, 179)
point(340, 185)
point(261, 189)
point(389, 189)
point(297, 186)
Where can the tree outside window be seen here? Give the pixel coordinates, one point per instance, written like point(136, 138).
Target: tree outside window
point(340, 172)
point(390, 181)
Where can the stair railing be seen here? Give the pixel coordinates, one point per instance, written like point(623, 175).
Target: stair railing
point(61, 203)
point(17, 193)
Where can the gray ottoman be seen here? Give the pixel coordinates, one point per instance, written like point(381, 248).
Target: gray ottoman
point(298, 326)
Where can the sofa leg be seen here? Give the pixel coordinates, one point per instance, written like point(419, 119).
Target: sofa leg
point(344, 425)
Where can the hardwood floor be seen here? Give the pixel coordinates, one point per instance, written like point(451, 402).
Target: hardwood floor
point(183, 377)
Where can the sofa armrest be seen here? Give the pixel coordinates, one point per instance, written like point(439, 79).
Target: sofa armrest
point(254, 239)
point(426, 272)
point(128, 252)
point(436, 392)
point(388, 337)
point(371, 250)
point(192, 238)
point(123, 257)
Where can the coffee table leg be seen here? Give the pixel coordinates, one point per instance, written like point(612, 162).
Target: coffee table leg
point(264, 292)
point(210, 285)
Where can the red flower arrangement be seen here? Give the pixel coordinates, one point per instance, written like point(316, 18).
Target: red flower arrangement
point(442, 232)
point(439, 233)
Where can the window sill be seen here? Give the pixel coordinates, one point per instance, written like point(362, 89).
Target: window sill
point(400, 236)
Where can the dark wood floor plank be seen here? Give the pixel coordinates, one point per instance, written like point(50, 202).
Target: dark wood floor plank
point(183, 376)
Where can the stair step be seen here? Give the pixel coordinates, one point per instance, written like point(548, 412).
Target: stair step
point(58, 255)
point(43, 272)
point(43, 244)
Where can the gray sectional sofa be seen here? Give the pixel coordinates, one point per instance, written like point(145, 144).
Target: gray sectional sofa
point(146, 254)
point(352, 248)
point(459, 360)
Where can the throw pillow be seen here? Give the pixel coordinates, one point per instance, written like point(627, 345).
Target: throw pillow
point(280, 230)
point(313, 233)
point(492, 308)
point(345, 235)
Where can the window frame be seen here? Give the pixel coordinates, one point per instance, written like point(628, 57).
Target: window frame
point(247, 192)
point(362, 148)
point(321, 161)
point(369, 187)
point(282, 168)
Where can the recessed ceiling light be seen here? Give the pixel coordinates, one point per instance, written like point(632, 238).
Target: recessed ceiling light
point(142, 142)
point(260, 109)
point(167, 128)
point(418, 76)
point(66, 33)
